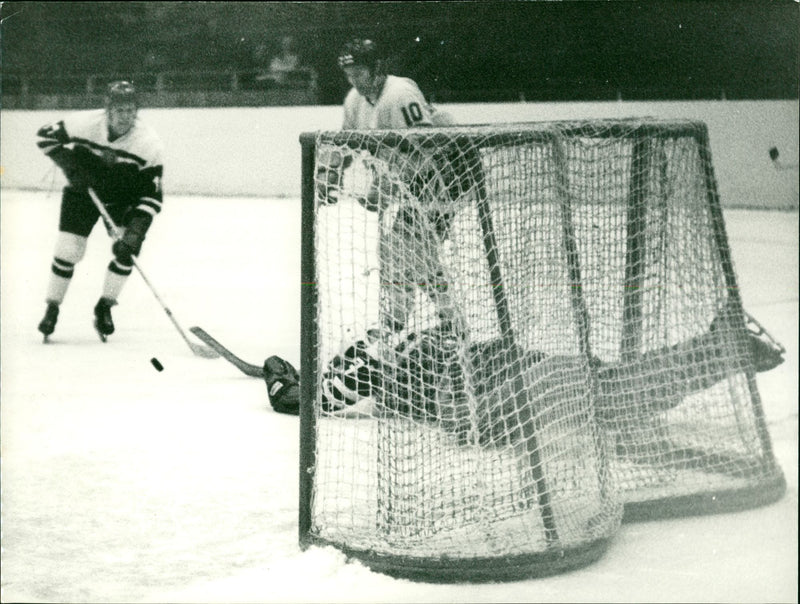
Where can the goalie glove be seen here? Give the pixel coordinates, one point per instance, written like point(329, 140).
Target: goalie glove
point(392, 371)
point(283, 385)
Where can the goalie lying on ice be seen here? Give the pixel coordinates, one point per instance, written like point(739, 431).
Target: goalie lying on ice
point(473, 391)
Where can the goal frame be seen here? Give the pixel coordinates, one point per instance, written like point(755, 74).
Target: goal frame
point(557, 559)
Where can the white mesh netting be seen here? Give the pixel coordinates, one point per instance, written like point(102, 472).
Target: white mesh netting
point(522, 330)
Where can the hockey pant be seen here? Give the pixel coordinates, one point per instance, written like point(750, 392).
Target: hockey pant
point(409, 253)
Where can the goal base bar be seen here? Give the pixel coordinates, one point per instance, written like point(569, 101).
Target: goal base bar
point(702, 504)
point(472, 570)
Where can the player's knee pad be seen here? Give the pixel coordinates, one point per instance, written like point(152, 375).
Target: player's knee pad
point(70, 247)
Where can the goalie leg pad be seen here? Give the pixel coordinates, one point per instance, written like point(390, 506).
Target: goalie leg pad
point(283, 385)
point(350, 377)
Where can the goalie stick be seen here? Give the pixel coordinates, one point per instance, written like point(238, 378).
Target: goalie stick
point(243, 366)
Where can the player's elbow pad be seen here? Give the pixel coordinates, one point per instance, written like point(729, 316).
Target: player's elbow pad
point(328, 184)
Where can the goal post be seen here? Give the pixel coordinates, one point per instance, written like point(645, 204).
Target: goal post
point(514, 337)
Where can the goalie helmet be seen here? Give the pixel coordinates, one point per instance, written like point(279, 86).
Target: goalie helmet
point(360, 51)
point(120, 92)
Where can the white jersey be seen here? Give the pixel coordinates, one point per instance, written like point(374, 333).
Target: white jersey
point(400, 104)
point(131, 166)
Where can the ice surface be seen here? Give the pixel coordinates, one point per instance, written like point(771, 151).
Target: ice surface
point(122, 483)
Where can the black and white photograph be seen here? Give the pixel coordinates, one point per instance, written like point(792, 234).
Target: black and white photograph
point(447, 301)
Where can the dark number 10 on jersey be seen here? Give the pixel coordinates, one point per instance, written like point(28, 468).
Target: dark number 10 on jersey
point(412, 114)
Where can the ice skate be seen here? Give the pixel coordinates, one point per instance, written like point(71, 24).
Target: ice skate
point(48, 324)
point(765, 351)
point(102, 318)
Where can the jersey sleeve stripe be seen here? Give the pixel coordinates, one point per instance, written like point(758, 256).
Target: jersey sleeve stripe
point(149, 205)
point(118, 152)
point(47, 145)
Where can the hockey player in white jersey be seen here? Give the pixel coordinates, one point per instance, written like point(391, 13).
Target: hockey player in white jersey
point(114, 153)
point(414, 215)
point(414, 218)
point(380, 101)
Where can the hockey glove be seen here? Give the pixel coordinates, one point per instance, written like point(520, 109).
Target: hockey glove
point(329, 184)
point(331, 164)
point(283, 385)
point(130, 244)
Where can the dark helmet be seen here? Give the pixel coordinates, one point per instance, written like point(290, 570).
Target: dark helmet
point(120, 92)
point(359, 51)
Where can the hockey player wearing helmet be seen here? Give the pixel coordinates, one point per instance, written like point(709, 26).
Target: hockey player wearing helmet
point(414, 195)
point(412, 235)
point(121, 108)
point(119, 157)
point(411, 240)
point(379, 100)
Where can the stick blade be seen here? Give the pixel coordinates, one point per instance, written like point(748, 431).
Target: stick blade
point(204, 351)
point(243, 366)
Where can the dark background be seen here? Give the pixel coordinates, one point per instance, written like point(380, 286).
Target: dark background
point(457, 51)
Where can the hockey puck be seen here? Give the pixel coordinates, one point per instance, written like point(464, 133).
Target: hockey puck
point(157, 364)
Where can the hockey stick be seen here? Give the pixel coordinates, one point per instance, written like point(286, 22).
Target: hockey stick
point(243, 366)
point(115, 233)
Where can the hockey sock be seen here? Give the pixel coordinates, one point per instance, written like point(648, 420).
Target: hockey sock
point(116, 277)
point(60, 278)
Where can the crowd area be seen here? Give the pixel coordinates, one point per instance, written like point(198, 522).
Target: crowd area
point(458, 52)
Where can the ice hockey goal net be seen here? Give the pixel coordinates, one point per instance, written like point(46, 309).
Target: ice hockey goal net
point(514, 336)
